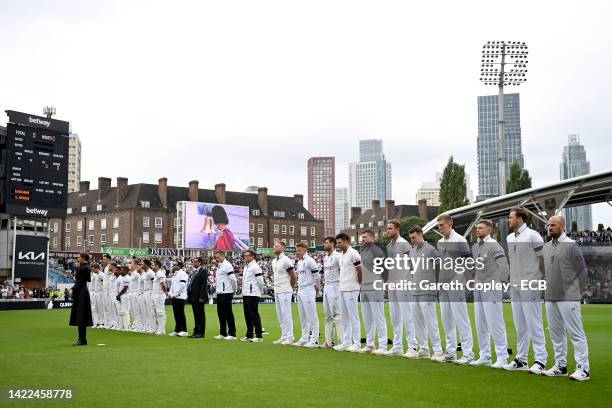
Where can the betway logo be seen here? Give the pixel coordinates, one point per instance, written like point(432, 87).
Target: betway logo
point(30, 256)
point(36, 211)
point(38, 121)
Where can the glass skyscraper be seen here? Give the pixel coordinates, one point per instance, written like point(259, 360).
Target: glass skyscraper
point(574, 164)
point(488, 141)
point(370, 178)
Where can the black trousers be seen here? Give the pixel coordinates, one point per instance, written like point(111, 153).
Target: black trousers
point(251, 315)
point(226, 315)
point(199, 317)
point(82, 332)
point(178, 309)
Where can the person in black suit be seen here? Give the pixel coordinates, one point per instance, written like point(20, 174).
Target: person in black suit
point(197, 295)
point(80, 314)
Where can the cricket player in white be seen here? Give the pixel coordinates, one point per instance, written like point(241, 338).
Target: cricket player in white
point(148, 312)
point(96, 283)
point(401, 302)
point(309, 284)
point(453, 306)
point(526, 265)
point(372, 300)
point(425, 316)
point(488, 305)
point(112, 294)
point(159, 292)
point(331, 292)
point(132, 294)
point(284, 281)
point(140, 306)
point(350, 279)
point(566, 277)
point(92, 296)
point(122, 286)
point(106, 294)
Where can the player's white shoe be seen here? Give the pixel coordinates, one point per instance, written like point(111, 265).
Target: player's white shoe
point(481, 362)
point(499, 364)
point(183, 334)
point(311, 344)
point(537, 368)
point(219, 337)
point(229, 338)
point(342, 347)
point(300, 343)
point(159, 333)
point(380, 351)
point(256, 340)
point(366, 350)
point(464, 360)
point(394, 351)
point(279, 341)
point(437, 357)
point(246, 339)
point(516, 365)
point(555, 371)
point(325, 346)
point(411, 353)
point(353, 349)
point(580, 375)
point(173, 334)
point(287, 342)
point(448, 358)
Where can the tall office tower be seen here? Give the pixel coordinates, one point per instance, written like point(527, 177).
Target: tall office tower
point(342, 209)
point(488, 141)
point(370, 178)
point(574, 164)
point(74, 163)
point(322, 191)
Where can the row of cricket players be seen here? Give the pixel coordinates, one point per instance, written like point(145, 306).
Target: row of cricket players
point(129, 297)
point(349, 281)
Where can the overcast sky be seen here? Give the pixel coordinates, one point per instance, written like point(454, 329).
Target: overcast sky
point(244, 92)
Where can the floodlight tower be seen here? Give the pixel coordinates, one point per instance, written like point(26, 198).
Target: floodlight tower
point(496, 55)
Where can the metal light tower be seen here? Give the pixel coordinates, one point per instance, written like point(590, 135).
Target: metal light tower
point(496, 55)
point(49, 111)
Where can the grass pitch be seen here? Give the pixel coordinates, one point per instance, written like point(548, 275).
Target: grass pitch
point(135, 370)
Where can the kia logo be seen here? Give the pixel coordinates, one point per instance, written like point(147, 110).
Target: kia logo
point(30, 256)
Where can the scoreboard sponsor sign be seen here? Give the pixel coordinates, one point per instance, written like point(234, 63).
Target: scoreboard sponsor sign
point(36, 166)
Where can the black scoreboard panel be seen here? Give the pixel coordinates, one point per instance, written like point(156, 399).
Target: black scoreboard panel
point(36, 171)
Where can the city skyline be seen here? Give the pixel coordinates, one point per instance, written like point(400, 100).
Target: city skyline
point(574, 163)
point(353, 84)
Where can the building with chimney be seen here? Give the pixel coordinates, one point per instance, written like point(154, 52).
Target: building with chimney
point(376, 217)
point(144, 216)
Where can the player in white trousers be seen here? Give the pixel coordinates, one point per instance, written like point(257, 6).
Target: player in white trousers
point(331, 292)
point(132, 293)
point(309, 284)
point(488, 305)
point(400, 301)
point(149, 316)
point(526, 265)
point(96, 283)
point(121, 300)
point(566, 276)
point(112, 294)
point(106, 297)
point(454, 251)
point(284, 281)
point(424, 271)
point(140, 307)
point(159, 291)
point(372, 297)
point(350, 279)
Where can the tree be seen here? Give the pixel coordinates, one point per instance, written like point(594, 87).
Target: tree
point(600, 227)
point(453, 191)
point(518, 179)
point(574, 226)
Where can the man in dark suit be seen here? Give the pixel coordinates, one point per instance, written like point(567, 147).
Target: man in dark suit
point(197, 295)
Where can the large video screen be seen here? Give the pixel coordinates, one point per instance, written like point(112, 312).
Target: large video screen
point(216, 226)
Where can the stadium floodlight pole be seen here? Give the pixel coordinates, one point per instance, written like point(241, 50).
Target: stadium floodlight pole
point(49, 111)
point(495, 56)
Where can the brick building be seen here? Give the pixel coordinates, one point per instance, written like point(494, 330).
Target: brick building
point(376, 218)
point(144, 216)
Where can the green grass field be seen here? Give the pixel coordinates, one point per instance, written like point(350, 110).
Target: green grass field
point(144, 370)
